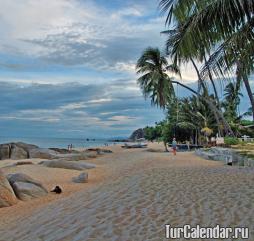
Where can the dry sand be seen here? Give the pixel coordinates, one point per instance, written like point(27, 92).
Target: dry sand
point(130, 196)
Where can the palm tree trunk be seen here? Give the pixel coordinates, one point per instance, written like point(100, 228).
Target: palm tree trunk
point(200, 80)
point(204, 87)
point(165, 145)
point(240, 74)
point(250, 94)
point(213, 84)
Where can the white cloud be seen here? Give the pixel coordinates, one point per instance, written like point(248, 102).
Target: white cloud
point(99, 101)
point(71, 32)
point(123, 118)
point(126, 12)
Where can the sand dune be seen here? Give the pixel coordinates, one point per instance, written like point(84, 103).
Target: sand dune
point(132, 195)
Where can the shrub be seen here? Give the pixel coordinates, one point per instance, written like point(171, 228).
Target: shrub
point(231, 141)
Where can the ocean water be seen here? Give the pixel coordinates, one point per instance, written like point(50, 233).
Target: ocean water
point(58, 142)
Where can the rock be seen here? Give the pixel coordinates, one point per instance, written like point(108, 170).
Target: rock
point(25, 146)
point(42, 153)
point(75, 156)
point(5, 151)
point(82, 178)
point(72, 156)
point(26, 187)
point(7, 195)
point(24, 163)
point(67, 164)
point(18, 152)
point(226, 155)
point(63, 151)
point(99, 151)
point(15, 151)
point(26, 191)
point(21, 177)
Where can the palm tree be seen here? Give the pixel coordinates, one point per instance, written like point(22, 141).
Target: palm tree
point(154, 81)
point(203, 25)
point(195, 114)
point(231, 101)
point(156, 84)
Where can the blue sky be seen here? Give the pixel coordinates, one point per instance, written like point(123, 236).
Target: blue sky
point(67, 67)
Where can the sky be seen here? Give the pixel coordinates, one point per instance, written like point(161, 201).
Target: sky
point(67, 67)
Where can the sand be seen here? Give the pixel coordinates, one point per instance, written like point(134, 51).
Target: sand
point(130, 196)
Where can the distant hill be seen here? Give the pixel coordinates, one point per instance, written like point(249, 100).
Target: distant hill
point(137, 134)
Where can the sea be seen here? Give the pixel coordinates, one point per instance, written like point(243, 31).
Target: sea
point(50, 142)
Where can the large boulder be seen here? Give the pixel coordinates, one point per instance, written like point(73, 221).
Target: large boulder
point(5, 151)
point(7, 196)
point(26, 187)
point(18, 152)
point(42, 153)
point(82, 178)
point(25, 146)
point(21, 177)
point(75, 156)
point(68, 164)
point(26, 191)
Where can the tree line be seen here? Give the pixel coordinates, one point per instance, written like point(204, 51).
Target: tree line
point(217, 38)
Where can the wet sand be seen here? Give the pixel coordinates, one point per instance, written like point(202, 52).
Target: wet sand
point(130, 196)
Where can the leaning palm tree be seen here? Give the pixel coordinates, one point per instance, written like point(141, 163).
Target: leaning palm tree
point(154, 81)
point(156, 84)
point(203, 25)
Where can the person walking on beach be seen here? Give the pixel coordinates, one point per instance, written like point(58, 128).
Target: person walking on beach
point(174, 145)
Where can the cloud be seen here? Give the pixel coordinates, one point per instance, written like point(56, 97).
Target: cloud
point(72, 106)
point(73, 33)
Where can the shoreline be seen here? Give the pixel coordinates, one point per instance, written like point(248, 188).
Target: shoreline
point(59, 142)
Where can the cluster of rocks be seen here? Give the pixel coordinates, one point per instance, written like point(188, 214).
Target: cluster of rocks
point(226, 155)
point(16, 151)
point(19, 186)
point(20, 150)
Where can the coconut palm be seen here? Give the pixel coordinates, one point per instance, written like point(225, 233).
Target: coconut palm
point(203, 25)
point(231, 101)
point(156, 84)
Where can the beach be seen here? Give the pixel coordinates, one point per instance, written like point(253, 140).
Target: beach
point(131, 195)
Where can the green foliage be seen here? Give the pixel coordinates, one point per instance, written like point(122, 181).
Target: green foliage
point(246, 122)
point(221, 30)
point(167, 133)
point(231, 141)
point(154, 82)
point(231, 101)
point(152, 133)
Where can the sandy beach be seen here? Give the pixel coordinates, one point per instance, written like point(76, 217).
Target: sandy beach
point(130, 196)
